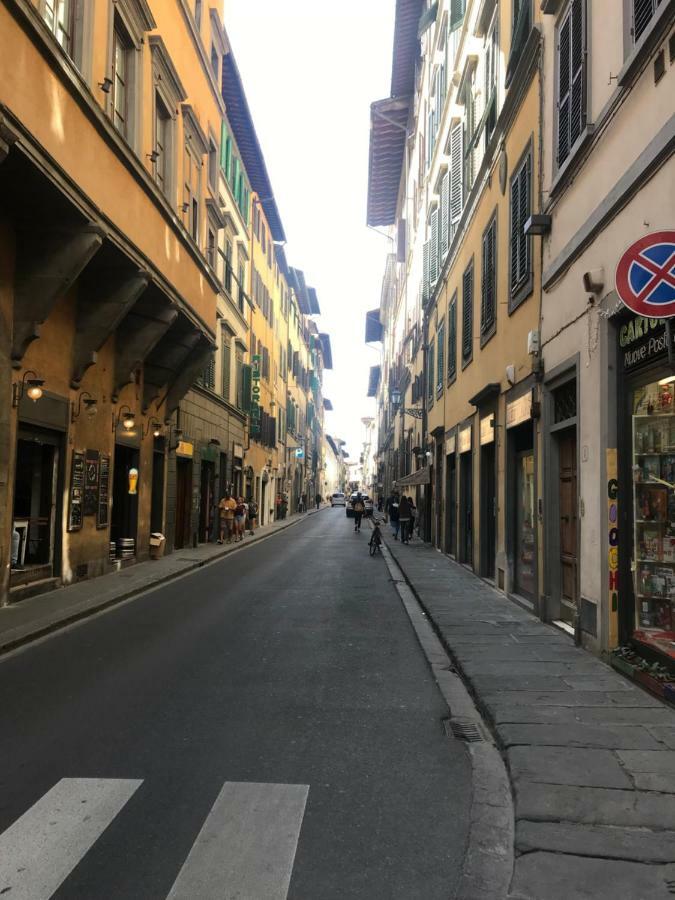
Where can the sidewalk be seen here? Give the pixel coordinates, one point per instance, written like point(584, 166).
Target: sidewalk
point(591, 757)
point(32, 618)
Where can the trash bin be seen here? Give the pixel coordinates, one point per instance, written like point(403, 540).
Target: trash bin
point(157, 545)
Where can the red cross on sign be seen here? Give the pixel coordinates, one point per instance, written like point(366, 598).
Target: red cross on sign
point(645, 276)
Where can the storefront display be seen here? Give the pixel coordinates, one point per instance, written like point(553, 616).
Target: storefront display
point(653, 465)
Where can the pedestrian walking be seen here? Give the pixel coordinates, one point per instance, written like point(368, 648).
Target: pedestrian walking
point(359, 507)
point(226, 509)
point(252, 514)
point(284, 505)
point(391, 510)
point(318, 500)
point(404, 519)
point(413, 516)
point(240, 519)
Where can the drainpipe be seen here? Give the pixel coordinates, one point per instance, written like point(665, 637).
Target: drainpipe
point(425, 419)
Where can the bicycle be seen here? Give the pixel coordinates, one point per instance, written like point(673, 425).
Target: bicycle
point(375, 542)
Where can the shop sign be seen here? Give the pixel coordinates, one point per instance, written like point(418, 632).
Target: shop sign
point(450, 445)
point(255, 396)
point(103, 492)
point(299, 453)
point(518, 411)
point(465, 439)
point(91, 464)
point(133, 481)
point(238, 451)
point(642, 340)
point(645, 276)
point(185, 448)
point(487, 429)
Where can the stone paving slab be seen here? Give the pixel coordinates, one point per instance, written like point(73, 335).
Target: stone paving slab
point(594, 806)
point(589, 753)
point(596, 840)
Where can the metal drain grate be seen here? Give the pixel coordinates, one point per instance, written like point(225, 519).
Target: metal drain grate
point(463, 730)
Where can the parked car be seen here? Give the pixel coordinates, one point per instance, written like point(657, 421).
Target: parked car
point(367, 502)
point(338, 499)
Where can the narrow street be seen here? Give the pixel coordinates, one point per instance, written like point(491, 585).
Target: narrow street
point(278, 700)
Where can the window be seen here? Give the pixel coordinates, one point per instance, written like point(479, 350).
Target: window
point(225, 151)
point(520, 280)
point(467, 314)
point(491, 70)
point(452, 338)
point(226, 364)
point(431, 354)
point(456, 179)
point(444, 237)
point(457, 10)
point(243, 381)
point(571, 52)
point(209, 374)
point(643, 12)
point(121, 87)
point(215, 62)
point(198, 14)
point(468, 100)
point(433, 249)
point(211, 247)
point(440, 362)
point(59, 16)
point(241, 292)
point(488, 305)
point(522, 24)
point(162, 164)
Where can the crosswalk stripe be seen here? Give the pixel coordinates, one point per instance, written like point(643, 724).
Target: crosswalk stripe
point(42, 848)
point(246, 847)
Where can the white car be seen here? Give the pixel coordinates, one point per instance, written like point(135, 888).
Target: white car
point(338, 500)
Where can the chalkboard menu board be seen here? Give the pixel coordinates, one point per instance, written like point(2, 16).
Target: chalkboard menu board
point(91, 463)
point(76, 492)
point(103, 492)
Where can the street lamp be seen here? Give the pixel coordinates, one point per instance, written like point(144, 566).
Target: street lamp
point(90, 406)
point(396, 397)
point(128, 419)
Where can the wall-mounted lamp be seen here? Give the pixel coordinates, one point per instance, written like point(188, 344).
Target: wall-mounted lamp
point(105, 85)
point(185, 207)
point(154, 156)
point(31, 387)
point(90, 407)
point(214, 442)
point(396, 397)
point(537, 224)
point(155, 427)
point(128, 419)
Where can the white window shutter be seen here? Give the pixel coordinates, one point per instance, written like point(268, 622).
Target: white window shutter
point(433, 251)
point(425, 272)
point(456, 166)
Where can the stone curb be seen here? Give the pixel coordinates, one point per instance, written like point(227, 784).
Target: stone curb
point(489, 856)
point(11, 641)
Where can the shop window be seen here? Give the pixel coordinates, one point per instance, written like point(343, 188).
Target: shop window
point(653, 464)
point(565, 402)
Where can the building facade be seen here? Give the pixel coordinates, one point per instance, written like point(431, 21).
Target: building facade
point(517, 396)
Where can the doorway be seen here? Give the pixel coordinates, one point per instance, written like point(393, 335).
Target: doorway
point(567, 505)
point(451, 504)
point(466, 509)
point(36, 505)
point(438, 469)
point(524, 568)
point(183, 503)
point(124, 514)
point(488, 511)
point(206, 501)
point(157, 496)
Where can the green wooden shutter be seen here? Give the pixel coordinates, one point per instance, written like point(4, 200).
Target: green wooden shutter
point(246, 383)
point(452, 338)
point(226, 360)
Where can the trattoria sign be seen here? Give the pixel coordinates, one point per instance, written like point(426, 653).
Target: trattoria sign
point(641, 341)
point(255, 396)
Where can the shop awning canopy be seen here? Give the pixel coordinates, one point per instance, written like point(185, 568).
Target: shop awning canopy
point(422, 476)
point(314, 307)
point(327, 405)
point(374, 380)
point(388, 131)
point(373, 326)
point(327, 352)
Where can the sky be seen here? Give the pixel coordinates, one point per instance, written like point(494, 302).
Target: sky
point(310, 71)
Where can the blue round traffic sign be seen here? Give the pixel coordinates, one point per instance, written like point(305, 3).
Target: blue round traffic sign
point(645, 276)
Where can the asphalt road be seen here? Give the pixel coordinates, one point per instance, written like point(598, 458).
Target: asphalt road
point(265, 725)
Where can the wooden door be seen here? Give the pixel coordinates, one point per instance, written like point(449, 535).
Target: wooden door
point(183, 503)
point(567, 449)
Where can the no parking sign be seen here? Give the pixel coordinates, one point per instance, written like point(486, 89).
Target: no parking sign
point(645, 276)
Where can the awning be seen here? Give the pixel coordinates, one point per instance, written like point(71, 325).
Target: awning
point(388, 131)
point(373, 326)
point(300, 286)
point(374, 380)
point(327, 353)
point(423, 476)
point(406, 46)
point(327, 405)
point(314, 307)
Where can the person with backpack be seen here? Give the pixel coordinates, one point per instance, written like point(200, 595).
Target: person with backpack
point(404, 519)
point(359, 508)
point(391, 508)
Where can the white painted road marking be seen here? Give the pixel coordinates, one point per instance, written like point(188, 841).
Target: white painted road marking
point(42, 848)
point(246, 848)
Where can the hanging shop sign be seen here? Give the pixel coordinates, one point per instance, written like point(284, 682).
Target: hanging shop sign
point(487, 429)
point(185, 449)
point(103, 492)
point(641, 341)
point(76, 492)
point(91, 465)
point(465, 439)
point(255, 396)
point(519, 411)
point(133, 481)
point(645, 275)
point(238, 451)
point(299, 453)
